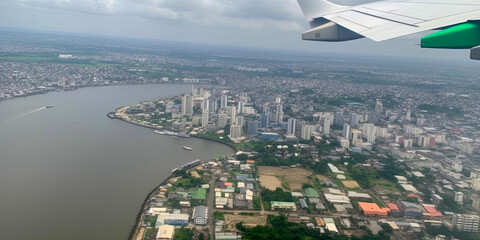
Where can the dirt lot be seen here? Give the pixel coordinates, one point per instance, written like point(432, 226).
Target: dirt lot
point(294, 177)
point(350, 184)
point(249, 221)
point(270, 182)
point(322, 178)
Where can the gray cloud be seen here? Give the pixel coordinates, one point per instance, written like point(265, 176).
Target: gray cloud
point(246, 14)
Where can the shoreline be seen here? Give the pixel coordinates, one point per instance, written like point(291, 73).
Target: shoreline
point(191, 135)
point(141, 214)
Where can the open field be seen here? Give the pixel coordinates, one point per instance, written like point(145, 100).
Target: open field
point(270, 182)
point(322, 178)
point(294, 177)
point(249, 221)
point(350, 184)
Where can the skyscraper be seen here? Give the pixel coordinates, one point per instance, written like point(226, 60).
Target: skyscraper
point(264, 120)
point(205, 117)
point(241, 105)
point(379, 107)
point(235, 131)
point(187, 104)
point(252, 127)
point(338, 118)
point(326, 124)
point(233, 115)
point(240, 120)
point(307, 131)
point(354, 120)
point(346, 131)
point(223, 101)
point(291, 126)
point(222, 120)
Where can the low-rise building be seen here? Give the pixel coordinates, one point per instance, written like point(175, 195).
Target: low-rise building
point(200, 215)
point(165, 232)
point(290, 206)
point(373, 210)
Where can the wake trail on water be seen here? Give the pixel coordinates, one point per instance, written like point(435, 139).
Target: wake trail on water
point(24, 114)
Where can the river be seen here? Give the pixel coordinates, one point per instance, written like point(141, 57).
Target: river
point(69, 172)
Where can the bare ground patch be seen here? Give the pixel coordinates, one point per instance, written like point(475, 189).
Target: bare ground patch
point(294, 177)
point(250, 221)
point(270, 182)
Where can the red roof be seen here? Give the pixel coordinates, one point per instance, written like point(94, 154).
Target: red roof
point(392, 206)
point(372, 209)
point(432, 211)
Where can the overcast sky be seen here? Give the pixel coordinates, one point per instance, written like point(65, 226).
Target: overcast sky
point(257, 23)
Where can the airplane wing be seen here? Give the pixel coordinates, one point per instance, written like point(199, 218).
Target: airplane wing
point(389, 19)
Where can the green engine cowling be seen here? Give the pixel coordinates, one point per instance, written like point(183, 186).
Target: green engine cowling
point(461, 36)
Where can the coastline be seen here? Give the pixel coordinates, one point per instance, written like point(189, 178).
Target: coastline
point(141, 214)
point(191, 135)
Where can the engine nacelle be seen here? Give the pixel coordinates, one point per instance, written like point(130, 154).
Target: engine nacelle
point(475, 53)
point(462, 36)
point(330, 32)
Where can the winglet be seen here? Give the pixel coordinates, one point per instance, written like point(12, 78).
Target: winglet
point(319, 8)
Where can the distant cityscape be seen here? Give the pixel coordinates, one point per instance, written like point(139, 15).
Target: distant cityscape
point(325, 148)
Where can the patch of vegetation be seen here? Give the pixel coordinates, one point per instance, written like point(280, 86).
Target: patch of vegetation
point(279, 229)
point(277, 195)
point(148, 233)
point(434, 231)
point(218, 216)
point(183, 234)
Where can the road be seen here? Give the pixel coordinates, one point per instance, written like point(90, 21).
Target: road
point(210, 203)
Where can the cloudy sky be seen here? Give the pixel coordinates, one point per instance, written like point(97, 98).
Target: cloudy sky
point(257, 23)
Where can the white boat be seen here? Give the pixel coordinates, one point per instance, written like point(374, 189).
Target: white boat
point(187, 148)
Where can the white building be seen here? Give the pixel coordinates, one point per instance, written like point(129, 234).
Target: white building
point(307, 131)
point(235, 131)
point(200, 215)
point(205, 117)
point(459, 197)
point(165, 232)
point(292, 122)
point(187, 104)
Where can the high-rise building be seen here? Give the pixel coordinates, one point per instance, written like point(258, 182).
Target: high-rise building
point(252, 127)
point(187, 104)
point(356, 135)
point(354, 120)
point(409, 115)
point(233, 115)
point(223, 101)
point(279, 113)
point(291, 126)
point(235, 131)
point(338, 118)
point(264, 120)
point(205, 117)
point(212, 105)
point(326, 124)
point(379, 107)
point(307, 131)
point(278, 100)
point(266, 107)
point(241, 105)
point(205, 104)
point(222, 120)
point(369, 131)
point(347, 130)
point(240, 120)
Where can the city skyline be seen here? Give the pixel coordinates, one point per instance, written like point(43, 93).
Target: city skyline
point(265, 24)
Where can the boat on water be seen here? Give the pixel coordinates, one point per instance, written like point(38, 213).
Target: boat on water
point(187, 148)
point(49, 106)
